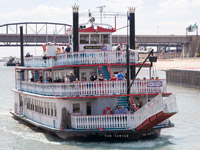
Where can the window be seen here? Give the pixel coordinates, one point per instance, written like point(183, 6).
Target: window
point(76, 108)
point(55, 110)
point(45, 108)
point(51, 109)
point(84, 39)
point(88, 105)
point(48, 109)
point(28, 103)
point(94, 39)
point(42, 107)
point(105, 38)
point(33, 105)
point(20, 101)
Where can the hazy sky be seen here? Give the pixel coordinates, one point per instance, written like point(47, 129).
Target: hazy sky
point(152, 16)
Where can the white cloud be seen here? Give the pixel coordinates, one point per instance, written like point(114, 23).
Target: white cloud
point(40, 13)
point(178, 7)
point(174, 7)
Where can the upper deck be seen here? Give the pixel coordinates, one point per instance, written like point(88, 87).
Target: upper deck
point(82, 58)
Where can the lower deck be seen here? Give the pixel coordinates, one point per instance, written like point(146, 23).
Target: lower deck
point(90, 114)
point(98, 134)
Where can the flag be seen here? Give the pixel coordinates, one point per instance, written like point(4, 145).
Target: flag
point(192, 28)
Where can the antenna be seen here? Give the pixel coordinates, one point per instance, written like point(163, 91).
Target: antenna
point(101, 11)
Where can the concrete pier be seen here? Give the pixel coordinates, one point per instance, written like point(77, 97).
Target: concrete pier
point(184, 77)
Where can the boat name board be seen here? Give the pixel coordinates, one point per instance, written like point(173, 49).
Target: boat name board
point(92, 47)
point(154, 84)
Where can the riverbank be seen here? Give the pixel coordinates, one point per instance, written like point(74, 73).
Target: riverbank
point(178, 63)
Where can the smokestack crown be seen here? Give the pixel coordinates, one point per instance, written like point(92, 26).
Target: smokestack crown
point(75, 8)
point(132, 9)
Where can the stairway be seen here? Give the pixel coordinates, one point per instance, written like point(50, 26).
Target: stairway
point(122, 101)
point(104, 71)
point(155, 112)
point(36, 75)
point(154, 120)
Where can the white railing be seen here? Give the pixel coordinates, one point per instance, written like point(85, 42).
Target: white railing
point(100, 121)
point(170, 105)
point(82, 58)
point(96, 88)
point(156, 105)
point(39, 61)
point(75, 89)
point(149, 109)
point(149, 86)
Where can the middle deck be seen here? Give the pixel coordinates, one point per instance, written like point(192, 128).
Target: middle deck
point(82, 58)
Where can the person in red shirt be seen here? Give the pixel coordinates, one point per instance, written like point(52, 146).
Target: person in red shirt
point(113, 78)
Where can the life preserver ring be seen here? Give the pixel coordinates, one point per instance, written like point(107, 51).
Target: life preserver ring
point(44, 47)
point(107, 108)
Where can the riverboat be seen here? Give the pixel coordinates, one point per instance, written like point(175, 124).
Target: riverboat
point(84, 106)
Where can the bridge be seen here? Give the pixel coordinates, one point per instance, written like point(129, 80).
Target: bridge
point(37, 33)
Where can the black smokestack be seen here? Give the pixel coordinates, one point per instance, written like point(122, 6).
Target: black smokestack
point(75, 28)
point(21, 46)
point(132, 36)
point(132, 27)
point(75, 35)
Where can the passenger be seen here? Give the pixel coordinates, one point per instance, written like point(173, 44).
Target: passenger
point(152, 78)
point(67, 79)
point(120, 76)
point(101, 77)
point(28, 54)
point(117, 110)
point(32, 79)
point(59, 51)
point(140, 104)
point(118, 47)
point(104, 47)
point(40, 79)
point(63, 49)
point(113, 78)
point(68, 49)
point(157, 78)
point(123, 110)
point(76, 81)
point(72, 77)
point(144, 78)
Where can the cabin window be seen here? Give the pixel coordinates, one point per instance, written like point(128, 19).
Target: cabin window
point(94, 39)
point(55, 110)
point(42, 108)
point(28, 103)
point(20, 101)
point(45, 108)
point(48, 109)
point(39, 106)
point(51, 109)
point(88, 107)
point(105, 38)
point(36, 107)
point(84, 39)
point(76, 108)
point(33, 105)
